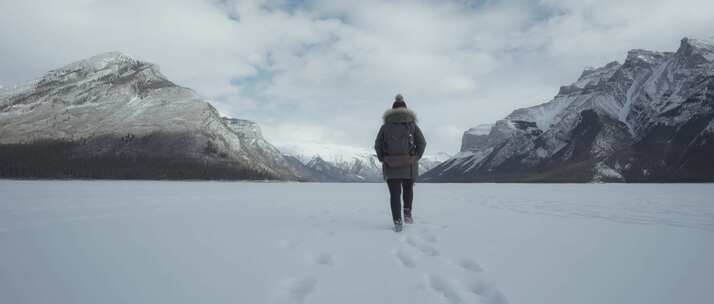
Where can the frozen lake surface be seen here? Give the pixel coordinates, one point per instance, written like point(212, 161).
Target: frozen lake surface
point(239, 242)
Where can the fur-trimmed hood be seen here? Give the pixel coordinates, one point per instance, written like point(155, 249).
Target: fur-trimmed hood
point(399, 115)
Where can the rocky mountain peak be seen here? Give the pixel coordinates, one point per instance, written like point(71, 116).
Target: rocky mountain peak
point(591, 76)
point(106, 67)
point(100, 62)
point(697, 47)
point(646, 57)
point(482, 129)
point(703, 43)
point(590, 71)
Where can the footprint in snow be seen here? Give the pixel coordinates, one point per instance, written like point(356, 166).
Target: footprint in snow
point(441, 286)
point(404, 258)
point(425, 249)
point(428, 250)
point(469, 264)
point(296, 290)
point(324, 259)
point(488, 293)
point(410, 240)
point(429, 238)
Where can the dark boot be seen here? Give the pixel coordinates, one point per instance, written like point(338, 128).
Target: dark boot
point(408, 216)
point(398, 227)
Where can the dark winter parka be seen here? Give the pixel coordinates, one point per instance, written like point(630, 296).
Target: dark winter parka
point(393, 119)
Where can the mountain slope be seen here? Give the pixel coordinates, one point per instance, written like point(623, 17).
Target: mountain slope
point(648, 119)
point(112, 116)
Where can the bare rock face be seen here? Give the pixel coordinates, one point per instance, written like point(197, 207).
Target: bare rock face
point(475, 137)
point(649, 119)
point(112, 116)
point(264, 154)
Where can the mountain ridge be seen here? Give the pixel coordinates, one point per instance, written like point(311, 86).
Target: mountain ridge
point(334, 162)
point(113, 109)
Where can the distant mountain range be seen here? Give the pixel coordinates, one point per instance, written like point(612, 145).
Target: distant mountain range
point(649, 119)
point(331, 162)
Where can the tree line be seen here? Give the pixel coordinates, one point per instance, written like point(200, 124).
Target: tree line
point(60, 160)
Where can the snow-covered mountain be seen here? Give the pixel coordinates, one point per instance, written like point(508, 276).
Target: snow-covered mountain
point(112, 116)
point(650, 118)
point(333, 162)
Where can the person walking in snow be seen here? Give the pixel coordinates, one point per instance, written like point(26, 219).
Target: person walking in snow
point(399, 146)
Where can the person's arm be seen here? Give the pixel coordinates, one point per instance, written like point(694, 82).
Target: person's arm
point(379, 144)
point(420, 142)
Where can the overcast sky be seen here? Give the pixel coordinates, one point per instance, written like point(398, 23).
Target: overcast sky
point(324, 70)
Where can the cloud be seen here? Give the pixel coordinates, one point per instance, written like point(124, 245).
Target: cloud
point(324, 71)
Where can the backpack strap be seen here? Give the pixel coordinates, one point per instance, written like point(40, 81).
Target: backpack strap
point(412, 138)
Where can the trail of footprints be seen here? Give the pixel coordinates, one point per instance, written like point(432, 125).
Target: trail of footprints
point(452, 290)
point(415, 247)
point(298, 289)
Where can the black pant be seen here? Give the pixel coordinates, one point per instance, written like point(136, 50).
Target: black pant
point(395, 187)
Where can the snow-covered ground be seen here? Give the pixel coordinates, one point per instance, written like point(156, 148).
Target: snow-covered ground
point(237, 242)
